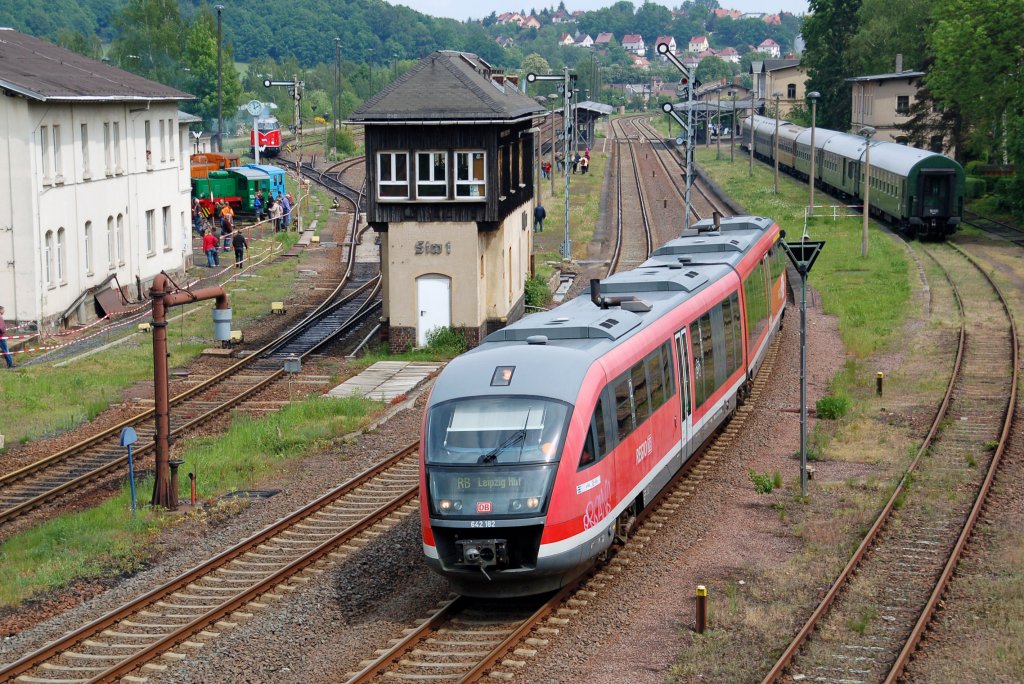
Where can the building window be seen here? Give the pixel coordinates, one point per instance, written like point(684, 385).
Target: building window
point(470, 177)
point(108, 166)
point(44, 146)
point(149, 144)
point(62, 254)
point(120, 239)
point(110, 243)
point(58, 165)
point(393, 172)
point(150, 232)
point(85, 151)
point(48, 269)
point(167, 228)
point(170, 138)
point(432, 174)
point(791, 91)
point(117, 148)
point(163, 141)
point(87, 246)
point(903, 104)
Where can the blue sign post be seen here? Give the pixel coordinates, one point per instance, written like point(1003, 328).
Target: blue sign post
point(128, 437)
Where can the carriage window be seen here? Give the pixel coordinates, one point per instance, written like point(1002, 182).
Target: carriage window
point(654, 375)
point(623, 408)
point(756, 295)
point(641, 399)
point(393, 175)
point(667, 370)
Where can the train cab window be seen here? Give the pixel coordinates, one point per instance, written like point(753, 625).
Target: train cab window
point(595, 445)
point(641, 398)
point(623, 408)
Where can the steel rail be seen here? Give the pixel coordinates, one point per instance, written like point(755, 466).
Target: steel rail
point(786, 659)
point(67, 453)
point(928, 612)
point(133, 661)
point(644, 213)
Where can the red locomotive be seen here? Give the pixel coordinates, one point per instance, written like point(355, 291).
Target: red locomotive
point(268, 135)
point(540, 446)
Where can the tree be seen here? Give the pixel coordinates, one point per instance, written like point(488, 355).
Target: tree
point(713, 69)
point(534, 64)
point(89, 46)
point(886, 28)
point(150, 38)
point(199, 62)
point(828, 32)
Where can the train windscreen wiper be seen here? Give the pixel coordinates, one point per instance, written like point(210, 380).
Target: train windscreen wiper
point(511, 440)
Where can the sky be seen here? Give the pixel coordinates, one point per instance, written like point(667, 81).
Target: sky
point(477, 9)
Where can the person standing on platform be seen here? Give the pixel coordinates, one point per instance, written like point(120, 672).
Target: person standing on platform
point(584, 165)
point(3, 341)
point(257, 206)
point(286, 212)
point(210, 247)
point(240, 244)
point(275, 215)
point(539, 214)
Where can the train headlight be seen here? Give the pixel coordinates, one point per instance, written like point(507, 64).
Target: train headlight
point(517, 504)
point(533, 503)
point(445, 505)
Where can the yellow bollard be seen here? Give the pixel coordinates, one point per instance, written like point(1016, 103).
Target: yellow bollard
point(878, 382)
point(702, 609)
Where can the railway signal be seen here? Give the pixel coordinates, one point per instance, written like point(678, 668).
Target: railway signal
point(687, 84)
point(802, 255)
point(565, 87)
point(294, 87)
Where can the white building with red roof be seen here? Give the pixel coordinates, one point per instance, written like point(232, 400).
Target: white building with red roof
point(698, 44)
point(667, 40)
point(604, 39)
point(729, 55)
point(769, 47)
point(634, 42)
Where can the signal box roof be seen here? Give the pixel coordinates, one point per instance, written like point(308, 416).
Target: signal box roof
point(449, 88)
point(43, 72)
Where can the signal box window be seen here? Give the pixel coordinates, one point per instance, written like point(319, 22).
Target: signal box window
point(393, 175)
point(432, 174)
point(470, 175)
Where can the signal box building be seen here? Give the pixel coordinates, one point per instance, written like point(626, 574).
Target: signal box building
point(450, 188)
point(97, 182)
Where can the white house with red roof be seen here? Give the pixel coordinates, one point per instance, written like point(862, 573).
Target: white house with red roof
point(730, 13)
point(729, 55)
point(667, 40)
point(562, 17)
point(584, 40)
point(531, 22)
point(634, 42)
point(566, 39)
point(604, 39)
point(640, 62)
point(698, 44)
point(769, 47)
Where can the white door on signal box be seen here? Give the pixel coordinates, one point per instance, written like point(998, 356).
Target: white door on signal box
point(433, 305)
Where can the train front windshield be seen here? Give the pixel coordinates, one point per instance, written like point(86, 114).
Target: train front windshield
point(493, 456)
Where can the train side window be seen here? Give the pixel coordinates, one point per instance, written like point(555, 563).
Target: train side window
point(698, 364)
point(656, 381)
point(737, 330)
point(594, 447)
point(623, 408)
point(714, 350)
point(730, 348)
point(667, 370)
point(641, 398)
point(756, 295)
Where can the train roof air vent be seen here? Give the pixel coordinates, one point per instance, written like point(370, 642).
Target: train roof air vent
point(608, 323)
point(637, 306)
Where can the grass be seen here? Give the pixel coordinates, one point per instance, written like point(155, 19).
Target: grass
point(106, 541)
point(584, 210)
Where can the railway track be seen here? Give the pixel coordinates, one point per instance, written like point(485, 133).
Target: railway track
point(871, 620)
point(167, 620)
point(993, 227)
point(467, 640)
point(97, 457)
point(630, 250)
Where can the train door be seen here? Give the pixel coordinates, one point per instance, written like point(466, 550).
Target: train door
point(686, 412)
point(936, 192)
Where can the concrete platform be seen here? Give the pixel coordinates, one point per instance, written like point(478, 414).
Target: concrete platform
point(386, 380)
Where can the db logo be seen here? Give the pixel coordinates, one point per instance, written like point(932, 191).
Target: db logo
point(483, 506)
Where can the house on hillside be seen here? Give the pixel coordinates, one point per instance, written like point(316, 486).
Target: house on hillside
point(769, 47)
point(885, 102)
point(562, 17)
point(729, 55)
point(531, 22)
point(603, 40)
point(566, 39)
point(667, 40)
point(772, 19)
point(98, 183)
point(584, 40)
point(634, 42)
point(691, 61)
point(450, 154)
point(509, 18)
point(721, 13)
point(698, 44)
point(505, 41)
point(641, 62)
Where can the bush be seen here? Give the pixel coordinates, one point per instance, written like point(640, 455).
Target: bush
point(974, 187)
point(832, 407)
point(763, 482)
point(537, 292)
point(345, 144)
point(446, 341)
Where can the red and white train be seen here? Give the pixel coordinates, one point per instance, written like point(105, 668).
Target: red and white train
point(540, 446)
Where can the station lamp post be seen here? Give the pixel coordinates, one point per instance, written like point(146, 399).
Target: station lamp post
point(867, 132)
point(813, 97)
point(220, 84)
point(776, 95)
